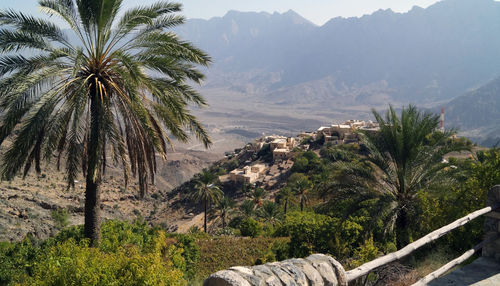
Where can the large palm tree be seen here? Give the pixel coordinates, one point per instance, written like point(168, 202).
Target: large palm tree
point(407, 156)
point(111, 88)
point(207, 192)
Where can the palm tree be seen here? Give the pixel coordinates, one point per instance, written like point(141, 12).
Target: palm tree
point(206, 192)
point(300, 186)
point(113, 92)
point(246, 188)
point(286, 196)
point(322, 183)
point(224, 207)
point(270, 212)
point(257, 195)
point(246, 208)
point(408, 153)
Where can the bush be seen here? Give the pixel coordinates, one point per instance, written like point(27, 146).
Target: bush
point(236, 222)
point(191, 253)
point(309, 232)
point(60, 217)
point(224, 251)
point(72, 263)
point(250, 227)
point(129, 254)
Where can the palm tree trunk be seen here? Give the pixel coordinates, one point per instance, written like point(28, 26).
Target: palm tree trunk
point(301, 204)
point(286, 205)
point(223, 220)
point(402, 234)
point(92, 227)
point(205, 220)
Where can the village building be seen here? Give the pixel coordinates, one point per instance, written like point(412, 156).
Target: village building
point(280, 154)
point(346, 133)
point(305, 135)
point(248, 174)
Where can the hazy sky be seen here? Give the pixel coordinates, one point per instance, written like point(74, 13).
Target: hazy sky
point(317, 11)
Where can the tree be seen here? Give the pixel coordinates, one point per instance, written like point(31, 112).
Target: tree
point(408, 163)
point(300, 186)
point(286, 196)
point(206, 192)
point(246, 188)
point(246, 208)
point(270, 212)
point(257, 195)
point(224, 207)
point(113, 91)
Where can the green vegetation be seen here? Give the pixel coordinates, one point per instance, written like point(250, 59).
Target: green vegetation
point(96, 95)
point(225, 205)
point(60, 217)
point(223, 252)
point(129, 254)
point(250, 227)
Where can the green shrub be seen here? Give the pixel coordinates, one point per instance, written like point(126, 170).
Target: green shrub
point(309, 232)
point(72, 263)
point(222, 252)
point(191, 253)
point(250, 227)
point(60, 217)
point(364, 253)
point(16, 260)
point(129, 254)
point(280, 249)
point(236, 222)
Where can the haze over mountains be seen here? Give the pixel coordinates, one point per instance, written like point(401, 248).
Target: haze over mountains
point(426, 56)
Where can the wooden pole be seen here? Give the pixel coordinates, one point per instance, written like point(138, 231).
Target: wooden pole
point(424, 281)
point(370, 266)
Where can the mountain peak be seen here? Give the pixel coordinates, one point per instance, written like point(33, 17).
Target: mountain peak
point(296, 17)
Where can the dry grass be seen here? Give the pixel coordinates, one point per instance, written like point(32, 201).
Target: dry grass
point(423, 267)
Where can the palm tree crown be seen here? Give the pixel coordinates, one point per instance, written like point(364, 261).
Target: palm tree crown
point(112, 93)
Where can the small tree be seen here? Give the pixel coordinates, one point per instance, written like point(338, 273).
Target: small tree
point(270, 212)
point(286, 196)
point(257, 195)
point(300, 186)
point(224, 207)
point(206, 192)
point(246, 208)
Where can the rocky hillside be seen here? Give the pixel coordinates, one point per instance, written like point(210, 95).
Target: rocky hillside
point(28, 206)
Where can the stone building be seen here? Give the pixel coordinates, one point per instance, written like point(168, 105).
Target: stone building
point(248, 174)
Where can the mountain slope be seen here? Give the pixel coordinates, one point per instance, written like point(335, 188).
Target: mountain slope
point(477, 113)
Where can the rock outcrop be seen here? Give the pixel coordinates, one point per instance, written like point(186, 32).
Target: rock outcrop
point(315, 270)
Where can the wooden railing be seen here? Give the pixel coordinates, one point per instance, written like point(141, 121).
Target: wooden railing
point(491, 236)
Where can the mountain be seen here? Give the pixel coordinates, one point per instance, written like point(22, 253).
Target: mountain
point(477, 113)
point(422, 56)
